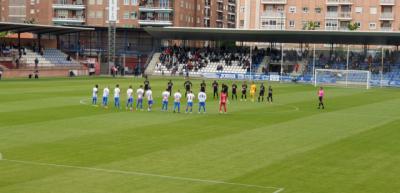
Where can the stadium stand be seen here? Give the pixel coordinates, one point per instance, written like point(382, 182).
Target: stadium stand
point(51, 57)
point(177, 60)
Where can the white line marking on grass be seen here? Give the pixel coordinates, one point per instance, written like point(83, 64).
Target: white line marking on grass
point(143, 174)
point(83, 101)
point(279, 190)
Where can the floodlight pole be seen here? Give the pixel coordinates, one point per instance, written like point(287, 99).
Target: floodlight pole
point(281, 62)
point(251, 61)
point(382, 61)
point(112, 20)
point(281, 77)
point(313, 70)
point(347, 64)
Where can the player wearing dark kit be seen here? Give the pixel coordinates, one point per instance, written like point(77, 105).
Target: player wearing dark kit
point(269, 98)
point(215, 86)
point(234, 92)
point(203, 86)
point(262, 92)
point(188, 86)
point(146, 84)
point(244, 91)
point(224, 89)
point(169, 87)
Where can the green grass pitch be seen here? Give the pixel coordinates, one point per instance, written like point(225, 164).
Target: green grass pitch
point(51, 143)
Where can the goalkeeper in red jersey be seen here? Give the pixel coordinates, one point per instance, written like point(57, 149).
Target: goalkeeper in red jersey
point(223, 100)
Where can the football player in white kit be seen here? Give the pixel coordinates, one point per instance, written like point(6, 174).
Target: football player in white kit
point(129, 93)
point(139, 92)
point(202, 96)
point(165, 96)
point(117, 92)
point(106, 92)
point(149, 95)
point(177, 101)
point(190, 98)
point(95, 91)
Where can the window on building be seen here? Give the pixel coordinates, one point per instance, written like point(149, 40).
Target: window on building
point(358, 24)
point(373, 10)
point(359, 9)
point(62, 13)
point(32, 11)
point(372, 25)
point(291, 24)
point(182, 3)
point(318, 10)
point(305, 9)
point(99, 2)
point(126, 2)
point(331, 24)
point(241, 24)
point(134, 2)
point(92, 14)
point(99, 14)
point(242, 9)
point(91, 2)
point(292, 9)
point(126, 15)
point(133, 15)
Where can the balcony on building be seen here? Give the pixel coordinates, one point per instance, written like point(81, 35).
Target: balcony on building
point(386, 28)
point(273, 1)
point(388, 2)
point(273, 27)
point(273, 14)
point(207, 3)
point(387, 16)
point(70, 5)
point(220, 7)
point(345, 16)
point(69, 20)
point(339, 2)
point(331, 28)
point(155, 6)
point(232, 2)
point(155, 19)
point(331, 15)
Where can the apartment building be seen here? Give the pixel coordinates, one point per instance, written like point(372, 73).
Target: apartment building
point(131, 13)
point(332, 15)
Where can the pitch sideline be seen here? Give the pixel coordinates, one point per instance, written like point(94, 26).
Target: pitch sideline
point(277, 190)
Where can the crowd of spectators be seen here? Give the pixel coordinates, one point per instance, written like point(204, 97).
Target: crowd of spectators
point(194, 59)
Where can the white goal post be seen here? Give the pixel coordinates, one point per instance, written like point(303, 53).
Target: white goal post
point(348, 78)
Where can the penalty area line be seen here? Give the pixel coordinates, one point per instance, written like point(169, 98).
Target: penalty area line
point(84, 102)
point(277, 190)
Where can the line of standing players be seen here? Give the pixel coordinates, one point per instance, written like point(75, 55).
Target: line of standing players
point(147, 92)
point(244, 89)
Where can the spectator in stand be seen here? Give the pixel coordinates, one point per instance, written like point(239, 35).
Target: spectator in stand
point(17, 63)
point(36, 63)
